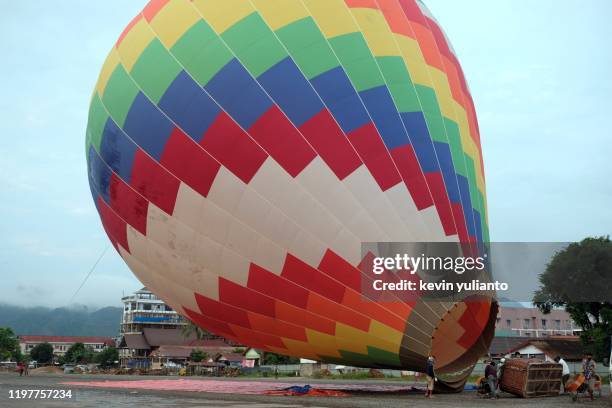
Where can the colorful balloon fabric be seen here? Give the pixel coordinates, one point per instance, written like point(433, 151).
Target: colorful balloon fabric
point(239, 151)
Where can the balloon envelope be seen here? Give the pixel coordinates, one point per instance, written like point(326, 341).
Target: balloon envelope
point(239, 152)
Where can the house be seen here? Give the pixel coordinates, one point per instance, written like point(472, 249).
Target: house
point(515, 320)
point(570, 349)
point(61, 344)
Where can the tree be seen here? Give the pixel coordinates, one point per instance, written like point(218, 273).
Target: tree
point(192, 329)
point(274, 359)
point(9, 345)
point(579, 279)
point(42, 353)
point(78, 354)
point(198, 355)
point(107, 357)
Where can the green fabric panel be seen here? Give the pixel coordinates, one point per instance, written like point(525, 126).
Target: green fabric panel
point(355, 56)
point(435, 124)
point(201, 52)
point(308, 47)
point(95, 123)
point(454, 139)
point(155, 70)
point(119, 94)
point(469, 163)
point(429, 101)
point(254, 44)
point(399, 83)
point(384, 357)
point(355, 359)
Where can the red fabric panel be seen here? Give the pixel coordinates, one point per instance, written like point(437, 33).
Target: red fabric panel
point(337, 267)
point(215, 326)
point(276, 327)
point(154, 182)
point(374, 154)
point(460, 222)
point(245, 298)
point(324, 134)
point(310, 278)
point(130, 205)
point(277, 135)
point(273, 285)
point(438, 192)
point(222, 311)
point(115, 227)
point(233, 148)
point(408, 166)
point(189, 162)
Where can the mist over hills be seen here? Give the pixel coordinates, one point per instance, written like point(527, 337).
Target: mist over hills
point(75, 320)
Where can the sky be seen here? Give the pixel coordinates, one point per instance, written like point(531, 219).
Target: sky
point(539, 73)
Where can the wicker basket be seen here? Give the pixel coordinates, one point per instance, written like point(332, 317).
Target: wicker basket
point(531, 378)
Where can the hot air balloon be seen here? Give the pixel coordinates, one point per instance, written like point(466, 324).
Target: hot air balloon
point(239, 152)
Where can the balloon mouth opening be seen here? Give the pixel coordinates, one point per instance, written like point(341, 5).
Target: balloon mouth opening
point(454, 369)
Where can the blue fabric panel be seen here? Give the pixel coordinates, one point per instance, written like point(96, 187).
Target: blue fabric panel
point(192, 109)
point(239, 94)
point(337, 92)
point(99, 175)
point(147, 126)
point(421, 141)
point(291, 91)
point(478, 225)
point(117, 150)
point(466, 203)
point(379, 103)
point(448, 171)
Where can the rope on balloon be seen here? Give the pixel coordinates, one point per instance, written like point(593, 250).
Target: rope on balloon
point(91, 270)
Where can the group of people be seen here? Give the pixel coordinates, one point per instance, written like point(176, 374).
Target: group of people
point(493, 375)
point(23, 369)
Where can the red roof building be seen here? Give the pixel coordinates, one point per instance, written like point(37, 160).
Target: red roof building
point(61, 344)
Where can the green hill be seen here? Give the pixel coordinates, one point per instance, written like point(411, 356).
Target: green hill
point(64, 321)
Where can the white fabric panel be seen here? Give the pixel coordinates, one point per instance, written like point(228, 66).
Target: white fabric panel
point(167, 290)
point(318, 178)
point(272, 182)
point(361, 183)
point(188, 206)
point(432, 219)
point(402, 200)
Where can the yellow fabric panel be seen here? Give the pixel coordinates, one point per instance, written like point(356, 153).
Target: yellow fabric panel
point(331, 16)
point(413, 58)
point(173, 20)
point(384, 337)
point(322, 344)
point(301, 351)
point(223, 14)
point(111, 62)
point(423, 74)
point(374, 27)
point(134, 43)
point(281, 13)
point(351, 339)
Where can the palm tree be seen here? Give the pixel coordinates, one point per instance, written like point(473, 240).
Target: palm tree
point(192, 329)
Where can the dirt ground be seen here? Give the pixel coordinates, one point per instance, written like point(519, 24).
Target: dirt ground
point(123, 398)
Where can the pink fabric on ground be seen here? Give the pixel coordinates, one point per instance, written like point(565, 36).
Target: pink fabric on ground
point(226, 387)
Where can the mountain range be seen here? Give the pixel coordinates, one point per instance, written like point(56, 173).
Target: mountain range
point(64, 321)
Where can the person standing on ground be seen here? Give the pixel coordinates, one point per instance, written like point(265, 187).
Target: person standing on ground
point(588, 369)
point(491, 376)
point(20, 368)
point(430, 374)
point(566, 371)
